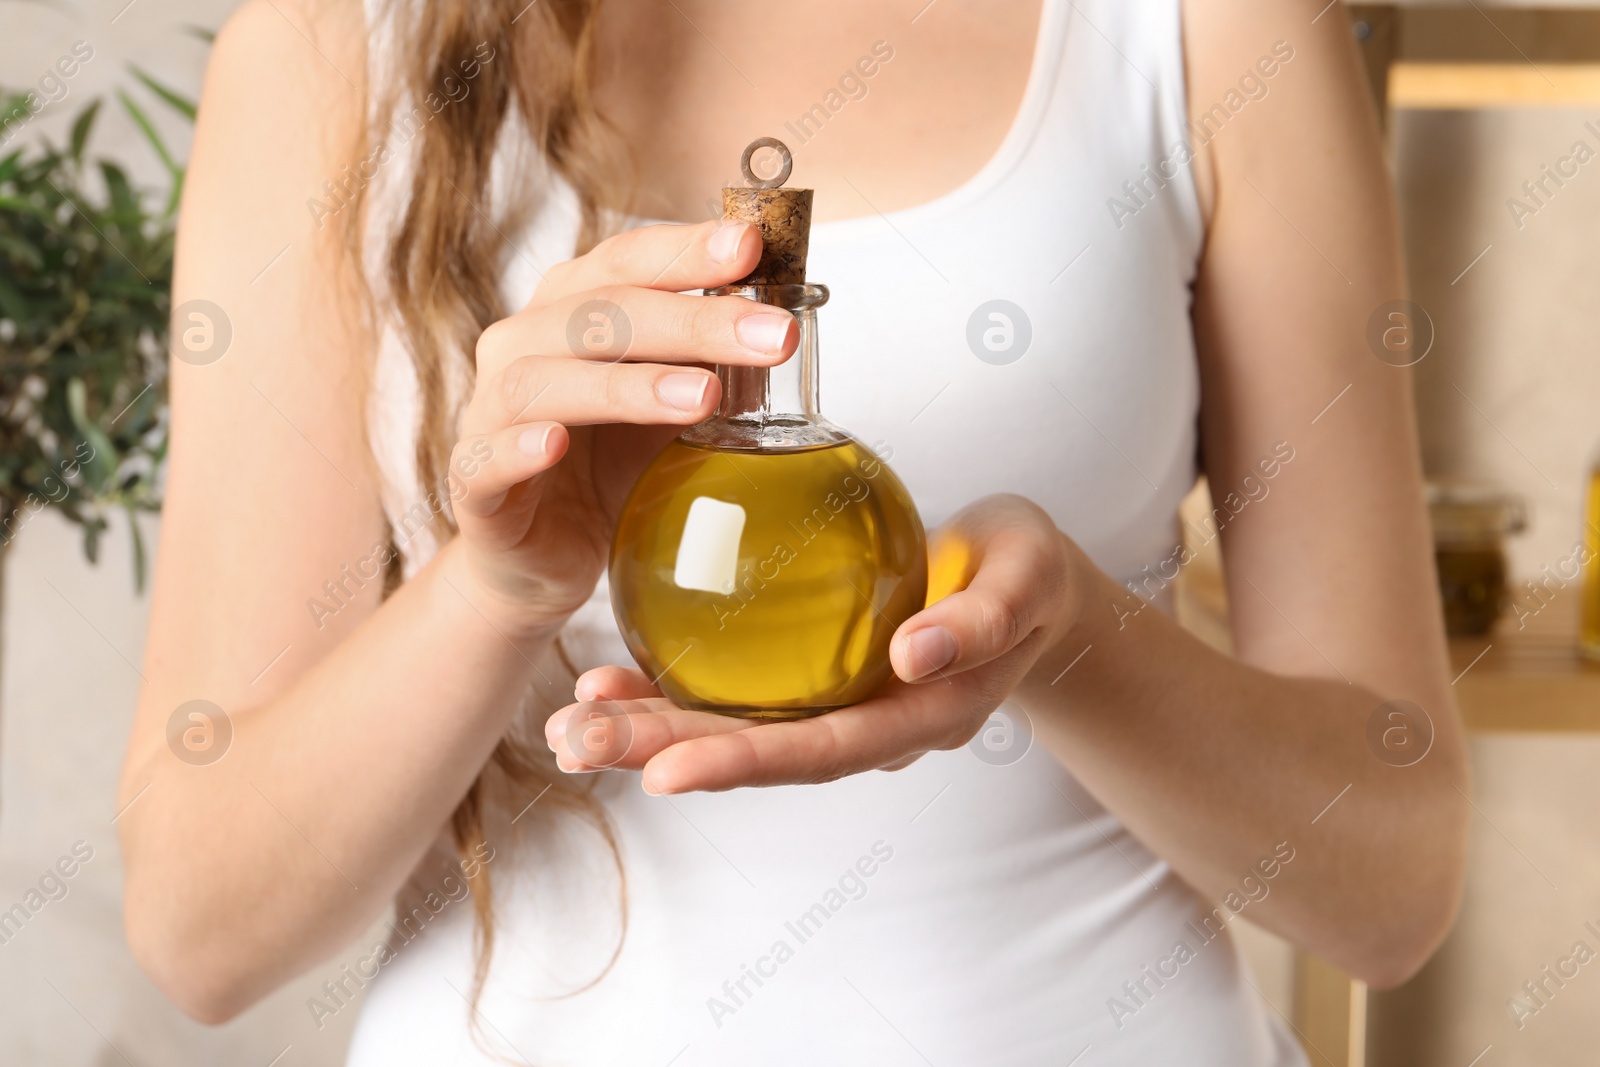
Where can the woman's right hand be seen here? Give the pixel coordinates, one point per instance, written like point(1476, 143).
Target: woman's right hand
point(340, 740)
point(557, 431)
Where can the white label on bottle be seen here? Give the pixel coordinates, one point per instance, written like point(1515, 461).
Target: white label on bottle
point(708, 555)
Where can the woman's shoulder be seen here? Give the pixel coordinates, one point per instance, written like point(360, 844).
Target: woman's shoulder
point(282, 109)
point(281, 114)
point(1266, 70)
point(294, 50)
point(1226, 40)
point(325, 25)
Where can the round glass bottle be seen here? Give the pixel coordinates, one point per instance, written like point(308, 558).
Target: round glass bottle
point(765, 558)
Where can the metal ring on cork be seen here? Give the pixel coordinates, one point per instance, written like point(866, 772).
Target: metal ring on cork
point(781, 215)
point(783, 170)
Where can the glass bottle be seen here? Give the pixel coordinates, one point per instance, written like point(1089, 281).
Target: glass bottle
point(1589, 626)
point(765, 558)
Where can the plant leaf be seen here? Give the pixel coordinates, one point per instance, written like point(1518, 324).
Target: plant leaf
point(138, 550)
point(13, 203)
point(81, 126)
point(20, 251)
point(174, 99)
point(151, 136)
point(175, 197)
point(91, 539)
point(100, 466)
point(12, 303)
point(123, 198)
point(8, 165)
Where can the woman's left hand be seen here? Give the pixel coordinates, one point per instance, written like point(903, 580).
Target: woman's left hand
point(1002, 588)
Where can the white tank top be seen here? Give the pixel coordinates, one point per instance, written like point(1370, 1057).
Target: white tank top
point(979, 906)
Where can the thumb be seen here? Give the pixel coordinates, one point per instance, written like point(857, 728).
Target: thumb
point(1019, 580)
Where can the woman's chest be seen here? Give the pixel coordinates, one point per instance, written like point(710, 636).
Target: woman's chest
point(884, 105)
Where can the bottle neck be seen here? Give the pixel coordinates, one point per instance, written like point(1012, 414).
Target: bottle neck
point(785, 393)
point(773, 408)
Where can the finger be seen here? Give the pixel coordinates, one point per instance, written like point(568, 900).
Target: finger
point(901, 722)
point(626, 322)
point(576, 393)
point(484, 468)
point(669, 257)
point(614, 683)
point(625, 734)
point(1020, 574)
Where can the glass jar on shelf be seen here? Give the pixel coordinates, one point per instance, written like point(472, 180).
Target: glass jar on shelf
point(1470, 525)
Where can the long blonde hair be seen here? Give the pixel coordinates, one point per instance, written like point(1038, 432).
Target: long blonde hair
point(439, 276)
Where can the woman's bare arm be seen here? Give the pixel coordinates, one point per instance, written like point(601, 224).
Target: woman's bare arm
point(355, 735)
point(1330, 576)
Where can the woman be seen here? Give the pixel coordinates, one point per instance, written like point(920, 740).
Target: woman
point(1188, 204)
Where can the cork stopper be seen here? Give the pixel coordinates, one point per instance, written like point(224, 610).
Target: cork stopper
point(782, 215)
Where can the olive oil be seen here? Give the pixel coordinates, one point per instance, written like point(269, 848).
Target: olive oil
point(1589, 631)
point(765, 558)
point(1472, 587)
point(778, 599)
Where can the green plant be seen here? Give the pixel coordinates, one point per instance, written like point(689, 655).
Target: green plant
point(85, 282)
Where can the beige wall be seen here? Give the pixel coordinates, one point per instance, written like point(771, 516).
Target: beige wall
point(1534, 883)
point(1519, 336)
point(70, 994)
point(150, 34)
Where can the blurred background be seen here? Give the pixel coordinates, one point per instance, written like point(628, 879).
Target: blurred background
point(1482, 104)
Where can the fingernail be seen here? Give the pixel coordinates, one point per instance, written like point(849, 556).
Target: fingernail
point(645, 786)
point(928, 650)
point(554, 727)
point(532, 442)
point(683, 391)
point(724, 244)
point(764, 333)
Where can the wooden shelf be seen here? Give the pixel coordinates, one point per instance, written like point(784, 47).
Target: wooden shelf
point(1465, 55)
point(1447, 86)
point(1530, 679)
